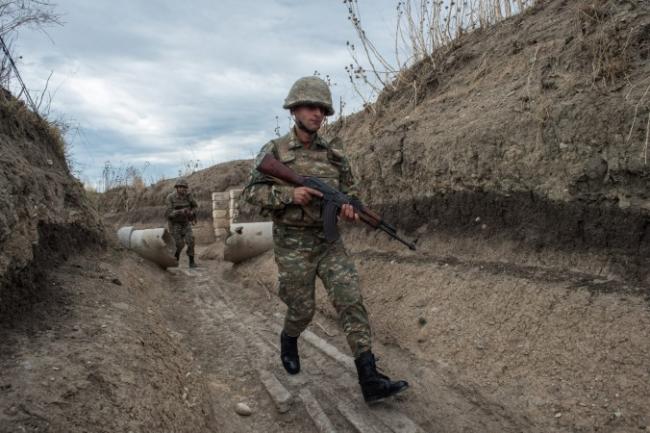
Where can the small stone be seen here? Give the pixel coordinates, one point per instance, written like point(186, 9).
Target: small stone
point(422, 321)
point(50, 162)
point(558, 415)
point(12, 411)
point(483, 226)
point(477, 219)
point(618, 413)
point(56, 368)
point(52, 379)
point(116, 281)
point(243, 409)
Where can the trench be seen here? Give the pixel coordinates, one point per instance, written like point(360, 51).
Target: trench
point(22, 289)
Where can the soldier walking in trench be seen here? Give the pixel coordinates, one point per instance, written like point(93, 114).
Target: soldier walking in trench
point(181, 212)
point(301, 250)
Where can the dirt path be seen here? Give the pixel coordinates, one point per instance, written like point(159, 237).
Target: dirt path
point(122, 346)
point(249, 316)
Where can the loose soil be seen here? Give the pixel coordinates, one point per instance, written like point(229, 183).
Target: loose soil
point(487, 346)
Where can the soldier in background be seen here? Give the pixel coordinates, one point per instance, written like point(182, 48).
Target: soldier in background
point(181, 212)
point(301, 250)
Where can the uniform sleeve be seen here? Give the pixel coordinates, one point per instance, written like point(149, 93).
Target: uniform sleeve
point(262, 191)
point(193, 203)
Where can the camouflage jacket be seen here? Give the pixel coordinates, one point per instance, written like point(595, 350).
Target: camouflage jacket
point(175, 206)
point(320, 160)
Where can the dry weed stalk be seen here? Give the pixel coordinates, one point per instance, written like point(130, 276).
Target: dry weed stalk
point(16, 14)
point(647, 136)
point(610, 57)
point(123, 176)
point(422, 28)
point(636, 112)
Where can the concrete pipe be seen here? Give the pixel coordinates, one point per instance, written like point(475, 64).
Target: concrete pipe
point(156, 245)
point(247, 240)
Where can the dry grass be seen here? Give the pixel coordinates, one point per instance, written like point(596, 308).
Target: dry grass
point(22, 121)
point(608, 48)
point(423, 29)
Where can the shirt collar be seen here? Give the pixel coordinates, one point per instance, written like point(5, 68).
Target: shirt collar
point(296, 143)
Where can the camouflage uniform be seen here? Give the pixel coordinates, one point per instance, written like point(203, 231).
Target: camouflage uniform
point(301, 251)
point(180, 226)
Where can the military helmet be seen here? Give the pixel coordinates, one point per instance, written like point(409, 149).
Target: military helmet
point(310, 90)
point(181, 182)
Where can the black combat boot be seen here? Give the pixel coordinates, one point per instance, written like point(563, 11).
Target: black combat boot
point(289, 353)
point(374, 385)
point(192, 264)
point(177, 254)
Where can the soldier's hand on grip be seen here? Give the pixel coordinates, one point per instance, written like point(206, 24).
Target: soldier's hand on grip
point(302, 195)
point(348, 213)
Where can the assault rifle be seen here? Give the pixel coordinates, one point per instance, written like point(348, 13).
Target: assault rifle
point(187, 213)
point(332, 198)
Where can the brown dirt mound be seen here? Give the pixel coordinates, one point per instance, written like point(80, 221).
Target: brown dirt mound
point(105, 360)
point(44, 213)
point(536, 128)
point(203, 183)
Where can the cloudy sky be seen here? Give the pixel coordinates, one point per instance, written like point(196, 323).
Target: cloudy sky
point(166, 83)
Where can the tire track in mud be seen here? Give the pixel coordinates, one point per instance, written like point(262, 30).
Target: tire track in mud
point(436, 405)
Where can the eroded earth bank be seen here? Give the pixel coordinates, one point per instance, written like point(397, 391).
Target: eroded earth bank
point(516, 158)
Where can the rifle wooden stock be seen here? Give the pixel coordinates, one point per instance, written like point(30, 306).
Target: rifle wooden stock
point(272, 167)
point(368, 218)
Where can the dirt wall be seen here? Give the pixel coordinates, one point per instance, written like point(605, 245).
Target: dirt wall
point(203, 183)
point(44, 213)
point(535, 129)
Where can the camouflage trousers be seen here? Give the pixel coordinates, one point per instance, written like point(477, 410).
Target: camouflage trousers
point(302, 254)
point(182, 234)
